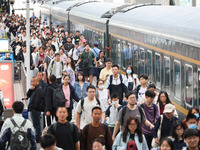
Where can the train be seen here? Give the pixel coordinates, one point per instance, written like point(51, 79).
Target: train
point(160, 41)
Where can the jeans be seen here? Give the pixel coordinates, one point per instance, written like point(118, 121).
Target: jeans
point(35, 116)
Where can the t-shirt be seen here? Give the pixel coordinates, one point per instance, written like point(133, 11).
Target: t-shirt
point(70, 137)
point(141, 92)
point(93, 133)
point(129, 113)
point(104, 72)
point(41, 59)
point(58, 75)
point(86, 117)
point(84, 56)
point(149, 112)
point(103, 97)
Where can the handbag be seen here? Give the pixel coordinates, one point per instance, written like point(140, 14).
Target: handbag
point(153, 143)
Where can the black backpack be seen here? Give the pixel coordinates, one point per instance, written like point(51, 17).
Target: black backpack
point(58, 97)
point(124, 112)
point(19, 139)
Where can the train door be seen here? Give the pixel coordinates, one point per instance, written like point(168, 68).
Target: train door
point(188, 85)
point(158, 70)
point(198, 85)
point(149, 65)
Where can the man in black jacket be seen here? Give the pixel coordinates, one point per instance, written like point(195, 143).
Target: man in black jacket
point(36, 105)
point(22, 56)
point(49, 109)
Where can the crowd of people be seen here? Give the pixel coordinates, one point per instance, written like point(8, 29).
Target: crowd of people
point(119, 112)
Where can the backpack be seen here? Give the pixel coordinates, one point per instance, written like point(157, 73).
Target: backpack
point(71, 127)
point(82, 103)
point(86, 133)
point(53, 61)
point(19, 139)
point(124, 112)
point(137, 90)
point(111, 78)
point(58, 97)
point(154, 108)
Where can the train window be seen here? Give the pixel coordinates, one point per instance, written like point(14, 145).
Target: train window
point(124, 55)
point(189, 85)
point(142, 61)
point(158, 70)
point(129, 55)
point(118, 53)
point(135, 59)
point(149, 65)
point(167, 74)
point(177, 79)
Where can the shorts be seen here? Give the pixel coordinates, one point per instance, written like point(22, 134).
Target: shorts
point(87, 71)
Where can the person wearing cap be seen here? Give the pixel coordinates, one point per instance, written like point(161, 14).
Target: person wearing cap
point(191, 137)
point(166, 120)
point(95, 49)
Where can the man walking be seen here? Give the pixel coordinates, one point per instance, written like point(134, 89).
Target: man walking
point(36, 105)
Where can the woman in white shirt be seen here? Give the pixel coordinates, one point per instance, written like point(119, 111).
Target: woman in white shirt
point(102, 93)
point(69, 69)
point(131, 79)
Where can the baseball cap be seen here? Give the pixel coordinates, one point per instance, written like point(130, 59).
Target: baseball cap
point(169, 108)
point(83, 40)
point(96, 43)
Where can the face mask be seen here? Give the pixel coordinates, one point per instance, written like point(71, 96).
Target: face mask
point(197, 115)
point(113, 102)
point(101, 86)
point(192, 126)
point(128, 71)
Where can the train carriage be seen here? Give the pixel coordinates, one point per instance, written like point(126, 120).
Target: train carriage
point(161, 41)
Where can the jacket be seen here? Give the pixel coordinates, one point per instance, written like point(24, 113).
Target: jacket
point(77, 89)
point(165, 127)
point(8, 126)
point(36, 99)
point(135, 79)
point(52, 68)
point(73, 95)
point(120, 145)
point(20, 56)
point(37, 58)
point(49, 96)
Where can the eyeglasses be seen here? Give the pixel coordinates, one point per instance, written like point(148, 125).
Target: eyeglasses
point(179, 129)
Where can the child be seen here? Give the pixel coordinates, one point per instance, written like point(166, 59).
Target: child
point(141, 89)
point(112, 112)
